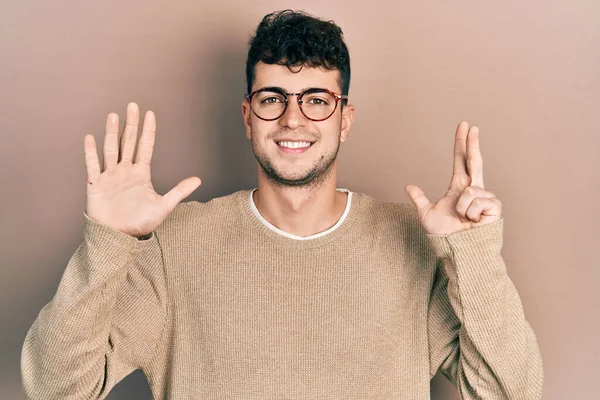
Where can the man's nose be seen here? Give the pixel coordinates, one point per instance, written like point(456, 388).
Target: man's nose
point(293, 117)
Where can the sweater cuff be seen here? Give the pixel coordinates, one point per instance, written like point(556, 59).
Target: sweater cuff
point(484, 239)
point(101, 234)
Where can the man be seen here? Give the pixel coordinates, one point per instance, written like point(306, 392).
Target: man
point(297, 289)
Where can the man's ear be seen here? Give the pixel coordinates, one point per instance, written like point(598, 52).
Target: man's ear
point(246, 115)
point(347, 120)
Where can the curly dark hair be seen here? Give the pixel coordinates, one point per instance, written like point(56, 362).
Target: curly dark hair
point(295, 39)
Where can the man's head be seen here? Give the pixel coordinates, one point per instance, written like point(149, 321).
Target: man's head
point(291, 52)
point(296, 39)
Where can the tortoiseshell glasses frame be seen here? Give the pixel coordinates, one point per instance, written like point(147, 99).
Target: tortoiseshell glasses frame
point(300, 95)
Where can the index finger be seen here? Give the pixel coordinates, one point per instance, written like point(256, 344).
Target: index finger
point(147, 138)
point(460, 150)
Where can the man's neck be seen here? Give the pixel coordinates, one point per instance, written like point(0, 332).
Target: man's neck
point(300, 211)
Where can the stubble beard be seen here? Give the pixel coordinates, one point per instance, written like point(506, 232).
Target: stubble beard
point(313, 178)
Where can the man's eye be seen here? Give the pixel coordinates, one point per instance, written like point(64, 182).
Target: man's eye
point(318, 102)
point(269, 100)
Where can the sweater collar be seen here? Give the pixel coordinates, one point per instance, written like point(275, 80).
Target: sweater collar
point(292, 236)
point(266, 233)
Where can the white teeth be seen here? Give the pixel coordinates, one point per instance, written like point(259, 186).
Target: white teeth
point(294, 145)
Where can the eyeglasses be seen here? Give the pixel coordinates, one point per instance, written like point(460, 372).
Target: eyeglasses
point(315, 104)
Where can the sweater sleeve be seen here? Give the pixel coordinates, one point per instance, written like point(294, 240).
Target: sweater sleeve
point(104, 320)
point(478, 335)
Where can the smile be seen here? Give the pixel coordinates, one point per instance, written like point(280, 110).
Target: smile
point(293, 147)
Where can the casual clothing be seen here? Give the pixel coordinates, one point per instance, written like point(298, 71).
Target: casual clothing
point(316, 235)
point(218, 305)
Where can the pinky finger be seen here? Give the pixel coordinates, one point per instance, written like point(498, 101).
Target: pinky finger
point(92, 165)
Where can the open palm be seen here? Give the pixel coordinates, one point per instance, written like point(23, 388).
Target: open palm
point(121, 195)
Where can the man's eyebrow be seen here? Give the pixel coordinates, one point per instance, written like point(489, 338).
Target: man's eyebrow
point(275, 88)
point(278, 88)
point(312, 87)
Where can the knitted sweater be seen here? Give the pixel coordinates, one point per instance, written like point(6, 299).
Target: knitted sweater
point(216, 305)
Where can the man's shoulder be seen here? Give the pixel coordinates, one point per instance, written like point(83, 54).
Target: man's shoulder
point(196, 213)
point(396, 227)
point(398, 221)
point(386, 211)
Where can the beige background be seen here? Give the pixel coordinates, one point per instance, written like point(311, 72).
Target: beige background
point(526, 73)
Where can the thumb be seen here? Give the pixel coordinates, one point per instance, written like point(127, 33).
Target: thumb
point(418, 198)
point(182, 190)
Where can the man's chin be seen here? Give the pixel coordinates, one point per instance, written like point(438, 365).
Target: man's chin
point(293, 175)
point(292, 179)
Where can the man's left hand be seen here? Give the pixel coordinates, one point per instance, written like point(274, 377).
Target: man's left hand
point(466, 204)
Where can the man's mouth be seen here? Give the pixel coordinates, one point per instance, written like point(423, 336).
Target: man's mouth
point(294, 145)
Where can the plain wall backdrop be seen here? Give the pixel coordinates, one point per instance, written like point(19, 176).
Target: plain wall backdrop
point(526, 73)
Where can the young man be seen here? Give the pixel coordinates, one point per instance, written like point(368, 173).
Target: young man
point(297, 289)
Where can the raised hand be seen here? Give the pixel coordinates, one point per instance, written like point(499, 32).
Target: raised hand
point(466, 204)
point(121, 195)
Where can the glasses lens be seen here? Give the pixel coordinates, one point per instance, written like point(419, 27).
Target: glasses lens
point(268, 105)
point(318, 105)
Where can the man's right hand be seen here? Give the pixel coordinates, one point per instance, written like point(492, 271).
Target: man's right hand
point(121, 194)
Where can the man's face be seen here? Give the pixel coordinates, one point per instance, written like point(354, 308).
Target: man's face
point(296, 167)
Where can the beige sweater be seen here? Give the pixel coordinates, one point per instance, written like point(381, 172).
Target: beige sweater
point(215, 305)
